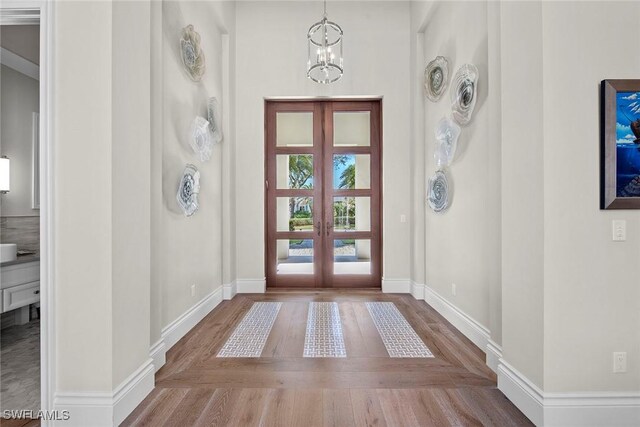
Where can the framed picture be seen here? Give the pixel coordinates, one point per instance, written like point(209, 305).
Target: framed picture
point(620, 144)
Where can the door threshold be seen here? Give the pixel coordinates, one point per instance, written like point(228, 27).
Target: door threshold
point(323, 290)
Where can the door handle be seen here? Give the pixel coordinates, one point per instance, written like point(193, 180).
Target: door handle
point(319, 227)
point(329, 227)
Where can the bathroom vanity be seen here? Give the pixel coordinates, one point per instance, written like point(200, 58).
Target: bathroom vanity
point(20, 286)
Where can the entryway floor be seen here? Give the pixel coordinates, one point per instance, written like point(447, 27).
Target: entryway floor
point(352, 363)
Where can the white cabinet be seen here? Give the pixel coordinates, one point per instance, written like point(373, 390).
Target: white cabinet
point(21, 295)
point(20, 284)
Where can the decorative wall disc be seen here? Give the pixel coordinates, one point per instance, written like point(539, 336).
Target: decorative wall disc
point(215, 123)
point(447, 133)
point(201, 138)
point(188, 190)
point(191, 53)
point(438, 192)
point(436, 78)
point(464, 91)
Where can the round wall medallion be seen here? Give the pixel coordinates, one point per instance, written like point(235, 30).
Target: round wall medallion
point(436, 78)
point(438, 192)
point(201, 138)
point(191, 53)
point(188, 190)
point(464, 91)
point(447, 133)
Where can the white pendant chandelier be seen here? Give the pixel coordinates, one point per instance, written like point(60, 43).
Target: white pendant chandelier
point(324, 41)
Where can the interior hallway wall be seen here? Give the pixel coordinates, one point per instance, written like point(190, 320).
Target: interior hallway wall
point(188, 251)
point(101, 203)
point(271, 61)
point(462, 245)
point(592, 284)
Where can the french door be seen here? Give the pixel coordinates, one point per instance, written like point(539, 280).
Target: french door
point(323, 193)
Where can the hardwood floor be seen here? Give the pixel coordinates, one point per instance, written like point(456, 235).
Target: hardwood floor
point(19, 422)
point(281, 388)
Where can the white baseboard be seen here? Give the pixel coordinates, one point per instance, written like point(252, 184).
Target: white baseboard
point(593, 409)
point(417, 290)
point(106, 409)
point(396, 286)
point(251, 286)
point(132, 391)
point(175, 330)
point(473, 330)
point(158, 354)
point(493, 353)
point(522, 392)
point(229, 290)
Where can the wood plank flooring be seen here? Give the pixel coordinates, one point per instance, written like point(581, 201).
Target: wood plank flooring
point(367, 388)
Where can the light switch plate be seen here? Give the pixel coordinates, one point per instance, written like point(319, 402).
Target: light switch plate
point(619, 230)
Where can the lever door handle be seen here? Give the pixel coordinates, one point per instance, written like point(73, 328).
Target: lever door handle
point(319, 227)
point(329, 227)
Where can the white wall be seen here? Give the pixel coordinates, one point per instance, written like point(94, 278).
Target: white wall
point(131, 123)
point(592, 285)
point(187, 251)
point(523, 198)
point(20, 99)
point(271, 61)
point(553, 289)
point(83, 199)
point(461, 245)
point(101, 202)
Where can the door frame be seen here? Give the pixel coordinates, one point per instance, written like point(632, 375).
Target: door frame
point(30, 12)
point(374, 280)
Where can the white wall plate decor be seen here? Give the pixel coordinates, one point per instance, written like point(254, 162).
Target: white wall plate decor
point(188, 190)
point(201, 138)
point(464, 91)
point(215, 122)
point(191, 53)
point(436, 78)
point(438, 192)
point(447, 133)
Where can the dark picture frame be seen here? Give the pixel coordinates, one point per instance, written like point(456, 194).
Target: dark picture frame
point(620, 144)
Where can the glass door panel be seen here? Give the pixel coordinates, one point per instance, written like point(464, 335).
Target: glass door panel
point(352, 128)
point(294, 129)
point(295, 256)
point(294, 214)
point(294, 171)
point(352, 257)
point(351, 171)
point(351, 214)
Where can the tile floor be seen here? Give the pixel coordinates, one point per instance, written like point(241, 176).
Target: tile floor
point(20, 367)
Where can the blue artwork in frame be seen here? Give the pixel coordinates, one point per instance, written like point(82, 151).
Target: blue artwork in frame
point(620, 144)
point(628, 144)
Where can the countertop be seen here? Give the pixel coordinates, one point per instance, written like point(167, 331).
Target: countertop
point(22, 259)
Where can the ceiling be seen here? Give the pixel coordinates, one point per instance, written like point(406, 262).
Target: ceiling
point(23, 40)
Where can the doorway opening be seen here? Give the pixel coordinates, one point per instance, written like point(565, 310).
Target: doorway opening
point(323, 193)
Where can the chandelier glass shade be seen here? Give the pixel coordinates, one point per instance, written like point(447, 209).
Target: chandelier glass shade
point(324, 41)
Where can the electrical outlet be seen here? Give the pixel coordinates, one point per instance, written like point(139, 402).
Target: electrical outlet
point(453, 289)
point(193, 290)
point(619, 362)
point(403, 218)
point(619, 230)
